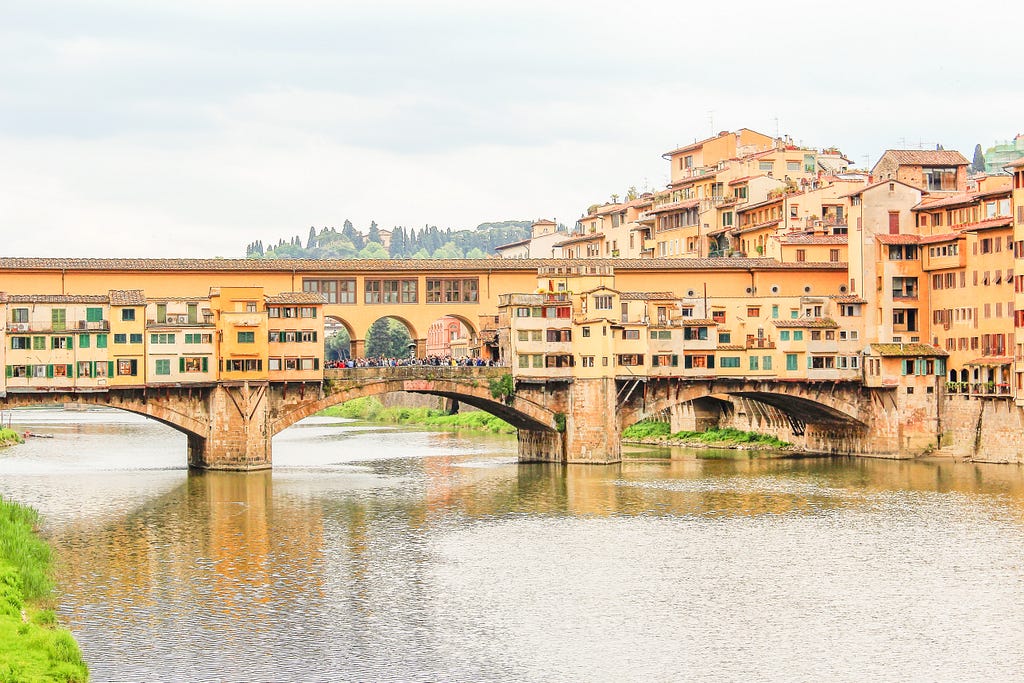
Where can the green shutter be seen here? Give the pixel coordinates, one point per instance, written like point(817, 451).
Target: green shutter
point(70, 370)
point(49, 371)
point(110, 368)
point(314, 335)
point(10, 371)
point(205, 364)
point(181, 364)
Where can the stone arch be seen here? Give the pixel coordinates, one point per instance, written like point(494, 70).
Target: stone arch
point(831, 403)
point(401, 319)
point(172, 411)
point(520, 412)
point(348, 329)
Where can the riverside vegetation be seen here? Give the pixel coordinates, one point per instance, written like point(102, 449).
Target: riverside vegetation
point(32, 646)
point(649, 431)
point(9, 437)
point(370, 409)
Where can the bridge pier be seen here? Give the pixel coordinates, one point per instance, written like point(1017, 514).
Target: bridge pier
point(592, 430)
point(238, 437)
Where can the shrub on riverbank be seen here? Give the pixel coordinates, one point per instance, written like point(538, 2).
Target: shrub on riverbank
point(31, 647)
point(659, 431)
point(370, 409)
point(9, 437)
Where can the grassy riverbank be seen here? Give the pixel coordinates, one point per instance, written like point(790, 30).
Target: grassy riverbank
point(372, 410)
point(660, 433)
point(9, 437)
point(32, 646)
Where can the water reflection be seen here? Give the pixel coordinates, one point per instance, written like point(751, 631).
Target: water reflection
point(385, 554)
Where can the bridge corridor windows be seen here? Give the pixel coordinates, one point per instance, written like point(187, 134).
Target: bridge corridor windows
point(453, 290)
point(336, 291)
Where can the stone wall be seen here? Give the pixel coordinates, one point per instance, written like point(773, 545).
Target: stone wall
point(983, 430)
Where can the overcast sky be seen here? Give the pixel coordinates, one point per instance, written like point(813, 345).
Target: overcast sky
point(191, 128)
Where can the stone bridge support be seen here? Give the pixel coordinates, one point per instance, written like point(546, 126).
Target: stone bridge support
point(592, 433)
point(238, 437)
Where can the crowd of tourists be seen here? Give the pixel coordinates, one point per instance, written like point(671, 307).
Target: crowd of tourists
point(392, 362)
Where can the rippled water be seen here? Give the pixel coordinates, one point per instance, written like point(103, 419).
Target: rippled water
point(399, 555)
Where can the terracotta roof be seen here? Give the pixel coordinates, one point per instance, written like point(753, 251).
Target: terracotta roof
point(58, 298)
point(745, 179)
point(806, 322)
point(296, 298)
point(925, 157)
point(303, 266)
point(944, 237)
point(1001, 222)
point(906, 350)
point(683, 204)
point(955, 200)
point(991, 360)
point(696, 322)
point(513, 244)
point(127, 297)
point(731, 347)
point(589, 237)
point(885, 238)
point(803, 238)
point(850, 299)
point(752, 228)
point(646, 296)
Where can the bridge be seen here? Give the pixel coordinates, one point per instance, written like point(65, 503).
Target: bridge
point(230, 425)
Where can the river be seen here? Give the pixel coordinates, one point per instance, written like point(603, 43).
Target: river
point(385, 554)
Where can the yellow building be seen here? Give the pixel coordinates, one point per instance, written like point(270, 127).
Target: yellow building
point(128, 338)
point(295, 329)
point(240, 317)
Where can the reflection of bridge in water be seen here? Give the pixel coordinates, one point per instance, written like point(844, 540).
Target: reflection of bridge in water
point(230, 425)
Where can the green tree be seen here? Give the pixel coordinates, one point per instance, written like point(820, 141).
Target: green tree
point(311, 240)
point(338, 345)
point(978, 165)
point(389, 338)
point(374, 234)
point(373, 250)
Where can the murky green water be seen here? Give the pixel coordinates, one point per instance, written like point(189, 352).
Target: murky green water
point(384, 554)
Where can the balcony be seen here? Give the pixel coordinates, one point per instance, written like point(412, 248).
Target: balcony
point(986, 388)
point(50, 327)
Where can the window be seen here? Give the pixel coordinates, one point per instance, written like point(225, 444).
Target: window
point(587, 361)
point(725, 337)
point(792, 165)
point(783, 335)
point(695, 333)
point(603, 302)
point(135, 338)
point(60, 343)
point(246, 337)
point(127, 315)
point(192, 364)
point(452, 290)
point(19, 315)
point(163, 366)
point(630, 359)
point(833, 255)
point(586, 333)
point(307, 312)
point(198, 338)
point(93, 315)
point(729, 362)
point(791, 361)
point(940, 178)
point(798, 335)
point(127, 366)
point(754, 362)
point(161, 338)
point(753, 311)
point(718, 316)
point(631, 334)
point(766, 166)
point(101, 341)
point(120, 339)
point(801, 255)
point(58, 316)
point(766, 362)
point(244, 365)
point(21, 342)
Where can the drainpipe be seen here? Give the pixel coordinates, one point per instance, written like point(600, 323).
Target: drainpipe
point(63, 272)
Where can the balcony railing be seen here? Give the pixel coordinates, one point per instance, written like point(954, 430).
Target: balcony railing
point(990, 388)
point(72, 326)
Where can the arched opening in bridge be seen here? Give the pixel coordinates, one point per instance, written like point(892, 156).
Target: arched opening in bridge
point(392, 337)
point(337, 341)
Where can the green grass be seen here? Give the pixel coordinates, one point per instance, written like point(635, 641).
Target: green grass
point(370, 409)
point(660, 430)
point(8, 437)
point(31, 648)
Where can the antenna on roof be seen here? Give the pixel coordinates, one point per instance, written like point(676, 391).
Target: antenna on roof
point(711, 121)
